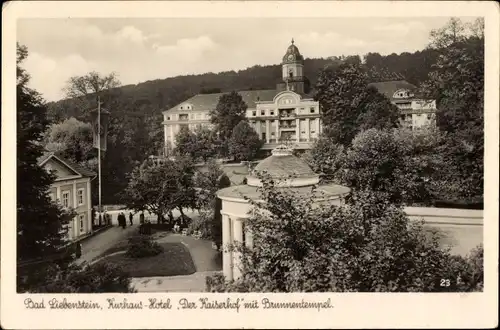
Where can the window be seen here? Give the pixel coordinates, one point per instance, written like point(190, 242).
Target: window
point(272, 112)
point(79, 196)
point(262, 112)
point(65, 198)
point(182, 108)
point(272, 133)
point(168, 118)
point(81, 217)
point(429, 116)
point(313, 131)
point(254, 113)
point(312, 110)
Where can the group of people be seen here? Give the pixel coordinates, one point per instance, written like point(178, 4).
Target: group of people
point(122, 220)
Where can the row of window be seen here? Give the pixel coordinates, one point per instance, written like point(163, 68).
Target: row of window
point(271, 112)
point(65, 197)
point(192, 116)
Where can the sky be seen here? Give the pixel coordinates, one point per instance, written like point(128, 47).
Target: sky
point(142, 49)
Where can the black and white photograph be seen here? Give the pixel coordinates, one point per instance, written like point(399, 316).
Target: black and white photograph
point(245, 155)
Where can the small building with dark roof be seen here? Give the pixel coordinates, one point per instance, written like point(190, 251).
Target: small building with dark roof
point(71, 189)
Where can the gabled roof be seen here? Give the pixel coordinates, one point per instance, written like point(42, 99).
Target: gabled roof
point(388, 88)
point(206, 102)
point(84, 172)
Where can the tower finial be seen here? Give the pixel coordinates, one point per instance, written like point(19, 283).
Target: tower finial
point(292, 41)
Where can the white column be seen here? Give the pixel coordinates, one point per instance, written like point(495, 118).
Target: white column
point(76, 222)
point(238, 240)
point(297, 129)
point(308, 133)
point(268, 131)
point(317, 126)
point(226, 254)
point(89, 207)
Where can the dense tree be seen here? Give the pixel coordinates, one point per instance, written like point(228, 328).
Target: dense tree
point(367, 245)
point(457, 85)
point(349, 105)
point(72, 138)
point(325, 158)
point(200, 144)
point(162, 186)
point(230, 110)
point(400, 163)
point(40, 223)
point(244, 143)
point(91, 84)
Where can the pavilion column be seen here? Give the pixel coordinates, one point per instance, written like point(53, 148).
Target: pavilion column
point(238, 240)
point(297, 130)
point(226, 252)
point(268, 131)
point(308, 133)
point(318, 127)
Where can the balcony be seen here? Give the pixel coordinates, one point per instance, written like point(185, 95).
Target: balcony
point(288, 127)
point(183, 118)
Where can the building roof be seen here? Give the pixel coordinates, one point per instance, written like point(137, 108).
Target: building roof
point(292, 55)
point(72, 165)
point(388, 88)
point(283, 164)
point(205, 102)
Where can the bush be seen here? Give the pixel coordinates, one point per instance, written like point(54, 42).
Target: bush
point(201, 224)
point(97, 278)
point(143, 246)
point(366, 245)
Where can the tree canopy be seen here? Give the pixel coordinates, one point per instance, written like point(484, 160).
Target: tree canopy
point(457, 84)
point(244, 143)
point(349, 105)
point(162, 186)
point(40, 222)
point(230, 110)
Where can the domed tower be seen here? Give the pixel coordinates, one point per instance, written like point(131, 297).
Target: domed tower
point(293, 71)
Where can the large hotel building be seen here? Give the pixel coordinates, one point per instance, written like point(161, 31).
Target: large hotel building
point(288, 113)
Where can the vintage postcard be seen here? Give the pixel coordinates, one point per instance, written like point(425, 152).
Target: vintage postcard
point(249, 164)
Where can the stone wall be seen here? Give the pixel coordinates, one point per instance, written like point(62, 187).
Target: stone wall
point(462, 229)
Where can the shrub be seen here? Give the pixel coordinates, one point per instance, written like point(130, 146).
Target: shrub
point(366, 245)
point(97, 278)
point(143, 246)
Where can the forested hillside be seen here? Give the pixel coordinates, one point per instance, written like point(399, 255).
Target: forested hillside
point(151, 97)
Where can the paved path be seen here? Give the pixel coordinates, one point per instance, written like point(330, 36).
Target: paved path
point(96, 245)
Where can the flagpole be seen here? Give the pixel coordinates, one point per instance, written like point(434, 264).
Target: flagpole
point(99, 151)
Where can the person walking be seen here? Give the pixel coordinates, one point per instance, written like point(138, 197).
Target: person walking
point(122, 220)
point(131, 218)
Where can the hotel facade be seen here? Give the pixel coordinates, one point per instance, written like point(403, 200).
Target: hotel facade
point(289, 114)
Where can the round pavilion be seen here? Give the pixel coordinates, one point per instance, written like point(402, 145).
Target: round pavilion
point(287, 172)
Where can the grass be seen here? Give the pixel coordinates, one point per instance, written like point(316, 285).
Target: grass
point(174, 260)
